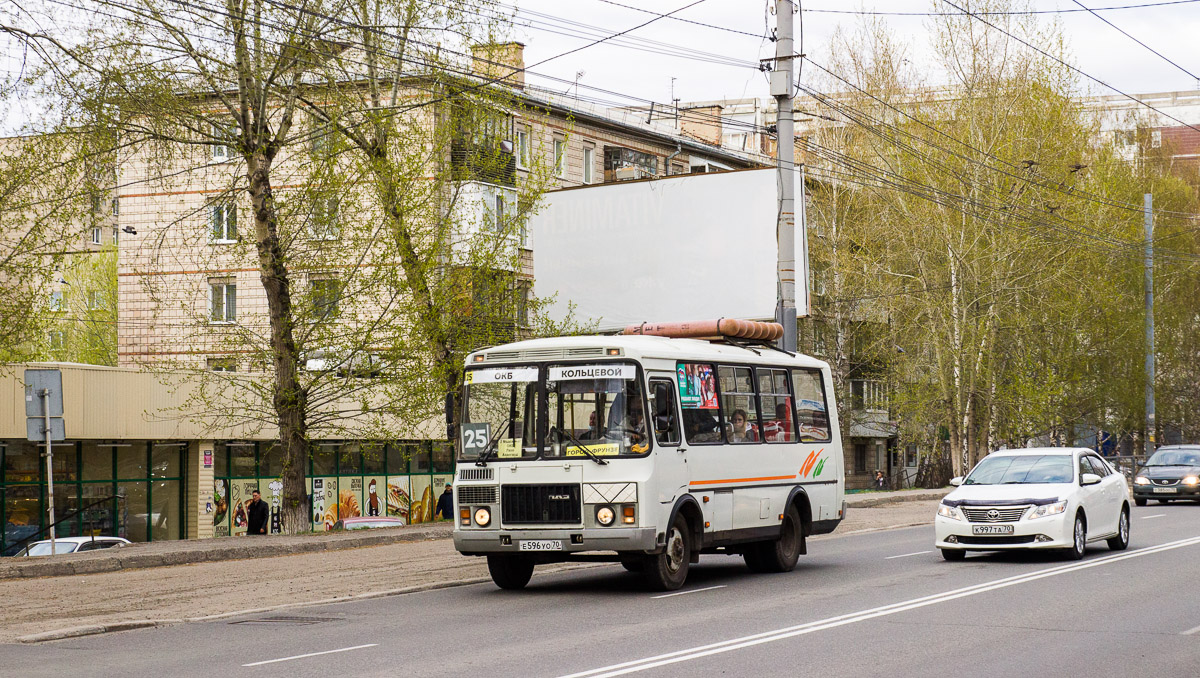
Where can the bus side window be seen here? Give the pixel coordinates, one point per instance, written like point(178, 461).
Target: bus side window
point(662, 403)
point(811, 412)
point(778, 424)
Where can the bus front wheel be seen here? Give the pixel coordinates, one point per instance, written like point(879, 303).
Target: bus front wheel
point(668, 570)
point(509, 571)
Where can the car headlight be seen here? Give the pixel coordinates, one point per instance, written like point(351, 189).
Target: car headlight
point(950, 512)
point(482, 517)
point(1048, 509)
point(605, 515)
point(1141, 480)
point(1191, 480)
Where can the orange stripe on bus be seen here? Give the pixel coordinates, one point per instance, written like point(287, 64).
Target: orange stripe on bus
point(740, 480)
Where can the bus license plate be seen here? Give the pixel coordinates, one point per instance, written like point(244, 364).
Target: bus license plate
point(992, 529)
point(1166, 490)
point(540, 545)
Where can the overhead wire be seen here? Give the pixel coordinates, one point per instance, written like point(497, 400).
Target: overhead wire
point(1148, 47)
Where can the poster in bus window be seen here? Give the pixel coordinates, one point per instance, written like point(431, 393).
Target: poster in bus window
point(350, 497)
point(375, 496)
point(423, 501)
point(220, 508)
point(398, 497)
point(697, 386)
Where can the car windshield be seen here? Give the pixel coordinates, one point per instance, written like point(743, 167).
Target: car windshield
point(42, 548)
point(1014, 469)
point(1175, 458)
point(597, 407)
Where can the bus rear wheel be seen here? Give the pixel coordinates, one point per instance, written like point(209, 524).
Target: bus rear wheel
point(668, 570)
point(778, 555)
point(509, 571)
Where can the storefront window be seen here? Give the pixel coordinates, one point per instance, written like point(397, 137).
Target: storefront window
point(164, 516)
point(270, 462)
point(21, 505)
point(241, 460)
point(132, 516)
point(164, 460)
point(98, 519)
point(220, 461)
point(97, 462)
point(131, 460)
point(373, 458)
point(66, 462)
point(397, 458)
point(66, 509)
point(350, 460)
point(323, 459)
point(421, 459)
point(443, 458)
point(21, 463)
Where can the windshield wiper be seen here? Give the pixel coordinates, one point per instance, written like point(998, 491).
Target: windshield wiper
point(481, 460)
point(583, 448)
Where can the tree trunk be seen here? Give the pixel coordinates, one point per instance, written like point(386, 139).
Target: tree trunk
point(290, 398)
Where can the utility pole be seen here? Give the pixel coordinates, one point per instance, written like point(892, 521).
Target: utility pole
point(49, 470)
point(785, 227)
point(1149, 266)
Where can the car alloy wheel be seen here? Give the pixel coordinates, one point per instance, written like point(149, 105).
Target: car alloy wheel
point(1121, 540)
point(1079, 539)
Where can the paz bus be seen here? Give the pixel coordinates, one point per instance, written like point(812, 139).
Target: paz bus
point(648, 448)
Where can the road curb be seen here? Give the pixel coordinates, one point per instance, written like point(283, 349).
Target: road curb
point(127, 557)
point(915, 495)
point(97, 629)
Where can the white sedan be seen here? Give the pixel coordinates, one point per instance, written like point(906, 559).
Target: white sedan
point(1043, 498)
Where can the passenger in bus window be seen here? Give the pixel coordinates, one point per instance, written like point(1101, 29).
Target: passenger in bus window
point(740, 430)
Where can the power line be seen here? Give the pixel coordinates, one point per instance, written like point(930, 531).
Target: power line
point(1002, 13)
point(1152, 50)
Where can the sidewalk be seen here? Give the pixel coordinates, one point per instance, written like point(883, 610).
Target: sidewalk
point(236, 576)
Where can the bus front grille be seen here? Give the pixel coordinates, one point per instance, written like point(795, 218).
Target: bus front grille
point(534, 504)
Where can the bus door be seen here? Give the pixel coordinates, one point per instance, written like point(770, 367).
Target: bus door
point(670, 466)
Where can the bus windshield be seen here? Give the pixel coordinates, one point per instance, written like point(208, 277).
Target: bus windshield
point(591, 410)
point(499, 412)
point(597, 407)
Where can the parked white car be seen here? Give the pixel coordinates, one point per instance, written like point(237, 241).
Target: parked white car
point(72, 545)
point(1043, 498)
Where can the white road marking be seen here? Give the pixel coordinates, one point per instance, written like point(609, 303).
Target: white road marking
point(310, 654)
point(1191, 632)
point(684, 593)
point(863, 615)
point(916, 553)
point(1156, 515)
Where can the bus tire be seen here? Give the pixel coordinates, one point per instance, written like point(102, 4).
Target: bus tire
point(510, 572)
point(778, 555)
point(668, 570)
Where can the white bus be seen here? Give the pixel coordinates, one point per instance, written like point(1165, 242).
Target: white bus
point(646, 450)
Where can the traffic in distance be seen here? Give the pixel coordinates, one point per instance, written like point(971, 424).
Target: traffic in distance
point(648, 448)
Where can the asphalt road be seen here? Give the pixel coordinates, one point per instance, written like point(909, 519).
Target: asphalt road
point(872, 604)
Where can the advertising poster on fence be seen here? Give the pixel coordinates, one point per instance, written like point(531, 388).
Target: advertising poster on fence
point(423, 499)
point(398, 497)
point(375, 496)
point(220, 508)
point(350, 497)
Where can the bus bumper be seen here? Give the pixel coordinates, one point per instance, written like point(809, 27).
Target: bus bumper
point(480, 542)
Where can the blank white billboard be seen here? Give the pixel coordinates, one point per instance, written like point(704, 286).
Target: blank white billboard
point(688, 247)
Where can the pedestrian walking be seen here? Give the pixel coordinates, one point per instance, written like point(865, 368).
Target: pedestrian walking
point(445, 505)
point(880, 481)
point(257, 513)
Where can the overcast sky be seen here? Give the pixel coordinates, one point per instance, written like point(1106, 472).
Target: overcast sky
point(1098, 49)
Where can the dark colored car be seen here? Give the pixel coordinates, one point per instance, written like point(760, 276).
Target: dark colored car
point(1173, 472)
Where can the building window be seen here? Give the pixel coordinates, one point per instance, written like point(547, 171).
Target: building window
point(860, 458)
point(220, 152)
point(325, 293)
point(58, 340)
point(868, 395)
point(1156, 139)
point(222, 365)
point(522, 149)
point(116, 207)
point(56, 300)
point(499, 212)
point(325, 219)
point(560, 158)
point(589, 156)
point(222, 299)
point(95, 300)
point(222, 218)
point(97, 235)
point(625, 163)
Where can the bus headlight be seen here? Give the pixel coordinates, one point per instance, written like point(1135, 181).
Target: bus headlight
point(605, 515)
point(482, 517)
